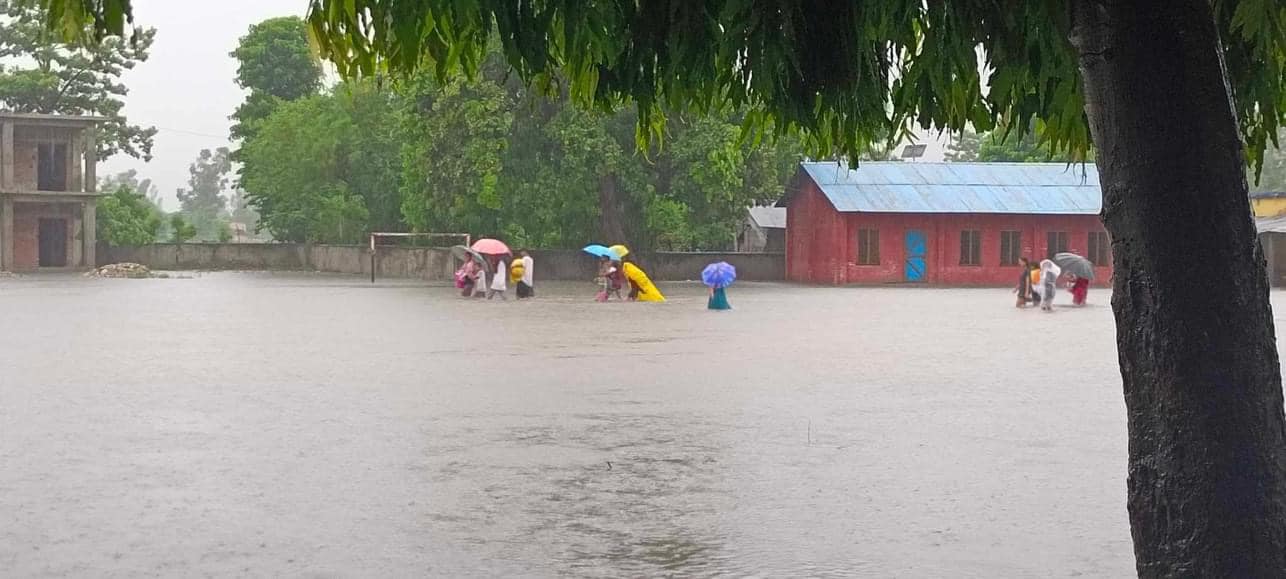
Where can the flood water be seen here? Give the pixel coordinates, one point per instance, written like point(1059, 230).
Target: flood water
point(316, 426)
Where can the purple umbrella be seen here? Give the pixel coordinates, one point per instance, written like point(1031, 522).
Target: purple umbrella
point(719, 274)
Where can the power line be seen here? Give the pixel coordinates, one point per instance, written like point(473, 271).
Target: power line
point(193, 133)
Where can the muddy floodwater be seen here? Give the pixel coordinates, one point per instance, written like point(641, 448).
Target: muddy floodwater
point(316, 426)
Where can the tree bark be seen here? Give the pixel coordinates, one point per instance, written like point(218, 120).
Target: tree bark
point(611, 226)
point(1207, 464)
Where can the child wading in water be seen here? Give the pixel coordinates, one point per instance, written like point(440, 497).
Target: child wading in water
point(615, 279)
point(718, 276)
point(609, 280)
point(499, 281)
point(1049, 272)
point(603, 279)
point(466, 278)
point(718, 299)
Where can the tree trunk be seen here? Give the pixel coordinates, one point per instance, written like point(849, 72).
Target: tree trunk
point(611, 226)
point(1207, 465)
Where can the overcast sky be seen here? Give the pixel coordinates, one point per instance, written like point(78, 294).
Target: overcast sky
point(186, 87)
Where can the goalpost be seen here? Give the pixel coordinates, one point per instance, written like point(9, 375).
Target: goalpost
point(375, 235)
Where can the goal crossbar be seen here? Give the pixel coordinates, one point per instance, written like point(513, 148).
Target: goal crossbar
point(376, 235)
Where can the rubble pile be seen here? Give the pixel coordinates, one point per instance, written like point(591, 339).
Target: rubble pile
point(122, 270)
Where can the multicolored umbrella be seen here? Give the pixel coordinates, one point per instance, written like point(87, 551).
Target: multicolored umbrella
point(719, 274)
point(620, 250)
point(490, 247)
point(601, 251)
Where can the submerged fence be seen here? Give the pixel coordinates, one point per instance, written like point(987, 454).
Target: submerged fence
point(427, 263)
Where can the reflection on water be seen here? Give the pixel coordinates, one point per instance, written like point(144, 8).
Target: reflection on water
point(240, 424)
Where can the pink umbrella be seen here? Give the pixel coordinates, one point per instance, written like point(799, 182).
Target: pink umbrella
point(490, 247)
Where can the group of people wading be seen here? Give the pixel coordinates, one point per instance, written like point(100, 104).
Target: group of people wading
point(618, 276)
point(1038, 283)
point(472, 277)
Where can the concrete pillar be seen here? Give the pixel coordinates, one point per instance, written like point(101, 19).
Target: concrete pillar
point(6, 156)
point(75, 169)
point(75, 233)
point(91, 160)
point(89, 220)
point(6, 234)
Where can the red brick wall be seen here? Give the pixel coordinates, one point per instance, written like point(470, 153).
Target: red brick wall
point(815, 249)
point(25, 159)
point(26, 238)
point(943, 245)
point(26, 231)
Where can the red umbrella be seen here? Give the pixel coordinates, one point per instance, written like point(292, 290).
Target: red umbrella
point(490, 247)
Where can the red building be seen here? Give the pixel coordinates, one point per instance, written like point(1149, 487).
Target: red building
point(939, 223)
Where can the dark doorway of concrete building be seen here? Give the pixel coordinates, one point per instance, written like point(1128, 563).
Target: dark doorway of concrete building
point(51, 168)
point(53, 243)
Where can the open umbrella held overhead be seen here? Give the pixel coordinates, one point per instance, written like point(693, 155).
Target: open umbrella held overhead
point(463, 253)
point(1074, 264)
point(719, 274)
point(601, 251)
point(490, 247)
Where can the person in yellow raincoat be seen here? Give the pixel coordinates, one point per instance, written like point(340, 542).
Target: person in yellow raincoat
point(516, 271)
point(641, 288)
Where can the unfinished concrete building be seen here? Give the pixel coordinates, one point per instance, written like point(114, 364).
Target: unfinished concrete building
point(48, 191)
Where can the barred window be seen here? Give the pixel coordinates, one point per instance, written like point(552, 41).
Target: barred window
point(1100, 248)
point(868, 247)
point(971, 247)
point(1056, 242)
point(1011, 247)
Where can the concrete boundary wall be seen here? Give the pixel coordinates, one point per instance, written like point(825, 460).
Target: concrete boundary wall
point(431, 264)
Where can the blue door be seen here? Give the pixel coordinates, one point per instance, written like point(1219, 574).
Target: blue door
point(915, 250)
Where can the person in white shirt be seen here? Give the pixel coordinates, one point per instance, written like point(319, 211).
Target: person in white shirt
point(499, 281)
point(1049, 272)
point(480, 283)
point(527, 285)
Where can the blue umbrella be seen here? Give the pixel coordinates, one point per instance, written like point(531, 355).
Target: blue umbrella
point(601, 251)
point(719, 274)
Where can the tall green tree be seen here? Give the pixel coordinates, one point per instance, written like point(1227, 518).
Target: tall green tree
point(126, 217)
point(457, 137)
point(40, 74)
point(371, 155)
point(131, 180)
point(1017, 148)
point(996, 147)
point(180, 230)
point(275, 65)
point(1176, 96)
point(490, 156)
point(203, 201)
point(296, 173)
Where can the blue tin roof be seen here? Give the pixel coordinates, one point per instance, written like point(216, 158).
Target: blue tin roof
point(1024, 188)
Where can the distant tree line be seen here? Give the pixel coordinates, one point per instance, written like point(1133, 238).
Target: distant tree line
point(487, 156)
